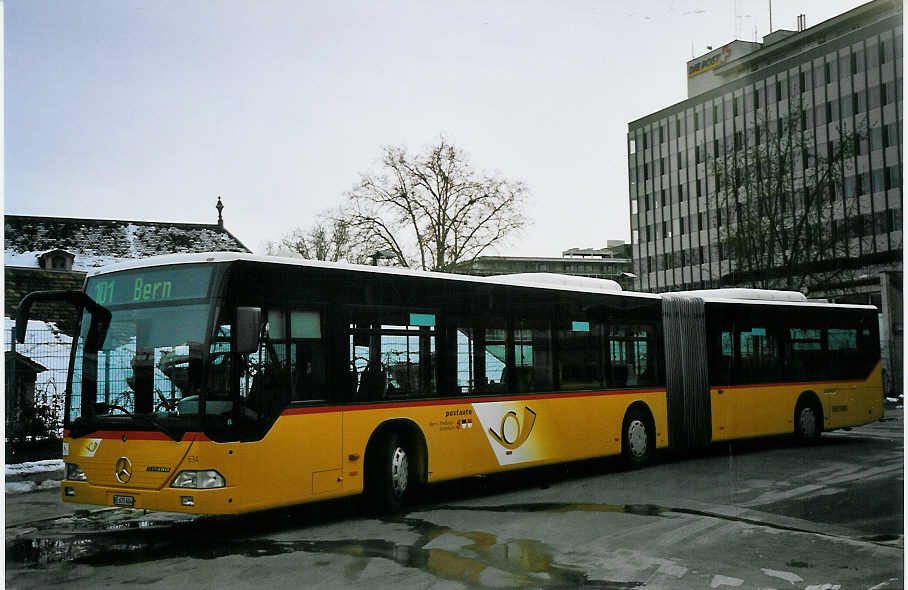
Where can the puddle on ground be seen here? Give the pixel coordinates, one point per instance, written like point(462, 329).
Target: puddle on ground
point(476, 558)
point(653, 510)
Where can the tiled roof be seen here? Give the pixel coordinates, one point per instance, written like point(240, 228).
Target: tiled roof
point(97, 242)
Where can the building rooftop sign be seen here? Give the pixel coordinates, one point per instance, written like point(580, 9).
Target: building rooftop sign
point(701, 76)
point(709, 61)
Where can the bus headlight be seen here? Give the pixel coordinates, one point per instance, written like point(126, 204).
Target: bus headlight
point(73, 473)
point(200, 480)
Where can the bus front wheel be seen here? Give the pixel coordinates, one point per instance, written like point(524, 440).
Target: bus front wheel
point(638, 440)
point(390, 474)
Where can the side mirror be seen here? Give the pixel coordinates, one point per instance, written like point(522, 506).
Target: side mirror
point(248, 325)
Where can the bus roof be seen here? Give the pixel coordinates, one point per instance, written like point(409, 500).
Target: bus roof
point(743, 293)
point(543, 281)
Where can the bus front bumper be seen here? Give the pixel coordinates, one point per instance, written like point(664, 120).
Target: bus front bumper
point(187, 500)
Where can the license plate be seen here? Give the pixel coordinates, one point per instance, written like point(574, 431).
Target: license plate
point(124, 501)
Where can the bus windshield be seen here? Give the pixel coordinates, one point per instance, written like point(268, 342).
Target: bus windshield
point(148, 361)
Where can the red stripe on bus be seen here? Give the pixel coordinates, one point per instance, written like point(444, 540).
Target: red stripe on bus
point(790, 384)
point(129, 434)
point(142, 435)
point(461, 401)
point(316, 410)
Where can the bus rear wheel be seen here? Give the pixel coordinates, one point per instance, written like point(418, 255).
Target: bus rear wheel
point(638, 440)
point(390, 473)
point(807, 422)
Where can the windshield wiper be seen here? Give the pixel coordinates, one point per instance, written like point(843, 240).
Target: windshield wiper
point(103, 408)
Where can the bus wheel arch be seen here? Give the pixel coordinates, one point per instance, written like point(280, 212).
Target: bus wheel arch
point(638, 435)
point(395, 464)
point(808, 418)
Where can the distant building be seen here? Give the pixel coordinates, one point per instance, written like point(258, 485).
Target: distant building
point(613, 249)
point(612, 262)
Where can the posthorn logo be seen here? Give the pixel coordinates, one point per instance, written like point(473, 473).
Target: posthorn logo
point(513, 432)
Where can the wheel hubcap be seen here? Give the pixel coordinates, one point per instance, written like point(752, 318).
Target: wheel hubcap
point(399, 471)
point(636, 438)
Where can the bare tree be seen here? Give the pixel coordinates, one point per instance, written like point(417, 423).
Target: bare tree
point(789, 219)
point(329, 238)
point(431, 210)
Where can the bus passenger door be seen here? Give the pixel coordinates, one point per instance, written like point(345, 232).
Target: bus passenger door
point(297, 456)
point(759, 408)
point(320, 423)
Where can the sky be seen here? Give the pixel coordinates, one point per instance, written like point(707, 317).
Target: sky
point(148, 110)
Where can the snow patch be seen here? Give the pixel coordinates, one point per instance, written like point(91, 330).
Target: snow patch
point(45, 466)
point(789, 577)
point(23, 259)
point(671, 569)
point(86, 263)
point(82, 262)
point(131, 241)
point(719, 580)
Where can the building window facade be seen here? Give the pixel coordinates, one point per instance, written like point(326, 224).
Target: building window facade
point(839, 83)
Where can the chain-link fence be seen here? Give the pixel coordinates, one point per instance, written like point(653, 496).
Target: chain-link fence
point(35, 381)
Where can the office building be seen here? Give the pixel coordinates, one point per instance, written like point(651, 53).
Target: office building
point(839, 75)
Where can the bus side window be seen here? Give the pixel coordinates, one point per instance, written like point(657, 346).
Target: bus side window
point(308, 359)
point(265, 382)
point(579, 360)
point(392, 354)
point(481, 358)
point(758, 356)
point(632, 355)
point(219, 363)
point(844, 358)
point(722, 353)
point(804, 358)
point(532, 370)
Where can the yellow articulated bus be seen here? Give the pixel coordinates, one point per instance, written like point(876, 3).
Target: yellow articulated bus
point(226, 383)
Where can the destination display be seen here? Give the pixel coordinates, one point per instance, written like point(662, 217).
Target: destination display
point(175, 283)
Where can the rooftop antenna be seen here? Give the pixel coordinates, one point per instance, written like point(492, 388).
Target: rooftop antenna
point(770, 16)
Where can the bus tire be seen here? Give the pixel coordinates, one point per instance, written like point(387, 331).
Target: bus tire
point(638, 438)
point(390, 474)
point(808, 421)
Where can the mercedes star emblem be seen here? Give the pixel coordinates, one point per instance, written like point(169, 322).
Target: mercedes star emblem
point(123, 470)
